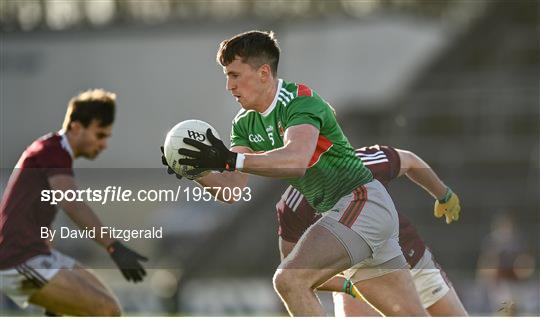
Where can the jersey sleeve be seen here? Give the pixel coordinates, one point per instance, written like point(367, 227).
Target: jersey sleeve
point(306, 110)
point(393, 160)
point(238, 135)
point(55, 161)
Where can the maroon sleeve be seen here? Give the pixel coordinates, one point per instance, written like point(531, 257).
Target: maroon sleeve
point(54, 160)
point(393, 160)
point(382, 161)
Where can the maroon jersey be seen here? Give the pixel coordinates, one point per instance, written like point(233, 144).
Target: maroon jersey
point(295, 214)
point(22, 214)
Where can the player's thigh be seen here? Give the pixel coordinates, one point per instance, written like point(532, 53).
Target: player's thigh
point(434, 288)
point(317, 256)
point(76, 292)
point(449, 305)
point(393, 294)
point(347, 306)
point(285, 247)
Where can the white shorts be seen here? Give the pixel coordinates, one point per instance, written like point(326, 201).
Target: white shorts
point(369, 214)
point(428, 280)
point(23, 280)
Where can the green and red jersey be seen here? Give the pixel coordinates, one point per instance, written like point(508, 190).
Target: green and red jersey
point(334, 169)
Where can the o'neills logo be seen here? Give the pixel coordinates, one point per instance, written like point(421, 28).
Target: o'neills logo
point(280, 128)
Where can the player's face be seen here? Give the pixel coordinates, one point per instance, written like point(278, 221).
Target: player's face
point(93, 139)
point(245, 83)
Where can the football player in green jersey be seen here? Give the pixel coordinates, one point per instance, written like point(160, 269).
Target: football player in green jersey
point(285, 130)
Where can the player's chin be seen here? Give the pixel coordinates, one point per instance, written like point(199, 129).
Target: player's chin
point(92, 155)
point(245, 105)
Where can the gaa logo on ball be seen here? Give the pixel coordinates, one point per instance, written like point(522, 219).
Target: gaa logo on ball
point(193, 129)
point(196, 135)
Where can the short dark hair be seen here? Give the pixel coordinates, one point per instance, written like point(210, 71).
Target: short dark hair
point(92, 104)
point(255, 48)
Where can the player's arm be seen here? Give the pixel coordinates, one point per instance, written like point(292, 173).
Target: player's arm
point(417, 170)
point(421, 173)
point(79, 212)
point(289, 161)
point(126, 259)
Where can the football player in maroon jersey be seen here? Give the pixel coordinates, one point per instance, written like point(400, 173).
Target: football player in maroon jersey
point(31, 271)
point(295, 215)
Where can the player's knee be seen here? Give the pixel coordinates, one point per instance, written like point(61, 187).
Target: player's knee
point(286, 281)
point(282, 283)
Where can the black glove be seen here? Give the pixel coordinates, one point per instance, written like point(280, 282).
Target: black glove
point(215, 157)
point(127, 261)
point(164, 162)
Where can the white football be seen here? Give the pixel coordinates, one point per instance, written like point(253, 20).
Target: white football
point(191, 128)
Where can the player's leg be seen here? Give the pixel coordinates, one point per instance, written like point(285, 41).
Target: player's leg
point(393, 294)
point(344, 305)
point(317, 257)
point(359, 227)
point(435, 290)
point(448, 306)
point(384, 279)
point(76, 292)
point(347, 306)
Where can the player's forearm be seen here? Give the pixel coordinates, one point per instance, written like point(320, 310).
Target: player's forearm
point(84, 217)
point(217, 181)
point(428, 180)
point(421, 173)
point(279, 163)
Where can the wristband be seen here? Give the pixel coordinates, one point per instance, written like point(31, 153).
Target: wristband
point(347, 288)
point(447, 196)
point(240, 161)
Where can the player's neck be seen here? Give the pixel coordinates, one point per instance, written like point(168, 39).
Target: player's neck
point(71, 141)
point(268, 96)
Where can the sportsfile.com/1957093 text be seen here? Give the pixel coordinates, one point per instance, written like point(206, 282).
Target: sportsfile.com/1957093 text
point(119, 194)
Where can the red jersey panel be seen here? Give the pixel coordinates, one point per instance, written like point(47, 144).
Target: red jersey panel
point(295, 215)
point(22, 214)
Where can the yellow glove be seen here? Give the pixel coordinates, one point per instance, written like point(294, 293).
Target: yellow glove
point(448, 206)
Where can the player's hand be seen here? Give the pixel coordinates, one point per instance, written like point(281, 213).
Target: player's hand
point(128, 261)
point(215, 157)
point(164, 162)
point(448, 206)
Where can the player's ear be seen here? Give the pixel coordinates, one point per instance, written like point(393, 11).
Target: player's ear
point(265, 72)
point(75, 127)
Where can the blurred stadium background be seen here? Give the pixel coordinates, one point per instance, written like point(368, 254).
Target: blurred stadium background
point(457, 82)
